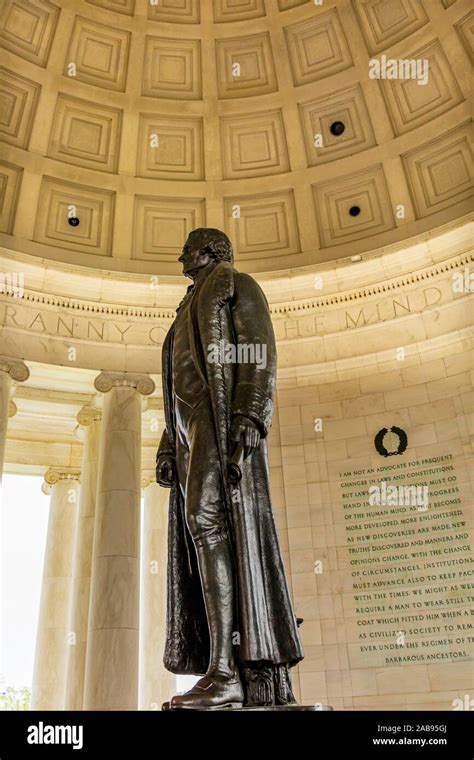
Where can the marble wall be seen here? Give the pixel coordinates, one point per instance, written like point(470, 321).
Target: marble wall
point(346, 559)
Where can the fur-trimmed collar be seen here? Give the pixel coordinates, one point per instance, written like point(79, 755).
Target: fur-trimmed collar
point(218, 287)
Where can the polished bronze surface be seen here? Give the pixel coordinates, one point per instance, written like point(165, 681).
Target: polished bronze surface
point(229, 611)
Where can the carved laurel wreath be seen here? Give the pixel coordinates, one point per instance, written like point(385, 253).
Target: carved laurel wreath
point(402, 441)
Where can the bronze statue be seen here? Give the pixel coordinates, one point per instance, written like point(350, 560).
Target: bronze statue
point(229, 612)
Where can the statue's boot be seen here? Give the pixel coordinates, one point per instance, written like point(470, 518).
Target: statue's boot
point(212, 693)
point(221, 686)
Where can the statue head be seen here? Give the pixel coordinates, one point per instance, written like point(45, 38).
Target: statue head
point(202, 246)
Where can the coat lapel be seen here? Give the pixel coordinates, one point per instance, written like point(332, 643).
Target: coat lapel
point(214, 295)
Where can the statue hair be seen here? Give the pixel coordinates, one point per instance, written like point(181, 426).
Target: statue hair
point(215, 242)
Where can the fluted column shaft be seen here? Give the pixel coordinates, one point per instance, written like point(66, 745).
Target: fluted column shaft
point(157, 684)
point(11, 370)
point(49, 675)
point(89, 419)
point(111, 681)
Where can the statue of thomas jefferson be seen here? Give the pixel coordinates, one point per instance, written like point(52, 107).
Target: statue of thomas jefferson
point(229, 612)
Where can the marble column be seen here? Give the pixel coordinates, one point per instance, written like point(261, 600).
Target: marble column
point(89, 420)
point(49, 674)
point(11, 371)
point(156, 684)
point(111, 681)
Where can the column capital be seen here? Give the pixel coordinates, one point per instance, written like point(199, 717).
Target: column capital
point(15, 368)
point(148, 477)
point(108, 380)
point(12, 408)
point(87, 415)
point(54, 474)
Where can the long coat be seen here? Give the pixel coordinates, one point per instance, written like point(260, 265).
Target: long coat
point(230, 306)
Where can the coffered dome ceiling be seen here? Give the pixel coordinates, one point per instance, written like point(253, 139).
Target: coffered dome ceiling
point(127, 123)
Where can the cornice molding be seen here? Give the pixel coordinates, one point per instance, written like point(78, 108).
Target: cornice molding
point(283, 307)
point(391, 285)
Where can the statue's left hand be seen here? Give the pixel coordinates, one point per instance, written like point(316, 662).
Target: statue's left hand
point(243, 426)
point(165, 470)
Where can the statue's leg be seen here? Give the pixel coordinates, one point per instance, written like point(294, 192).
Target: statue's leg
point(206, 519)
point(215, 568)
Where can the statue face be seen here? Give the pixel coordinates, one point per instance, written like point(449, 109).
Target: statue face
point(192, 256)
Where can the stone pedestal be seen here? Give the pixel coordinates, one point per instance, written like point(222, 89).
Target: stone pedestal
point(258, 708)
